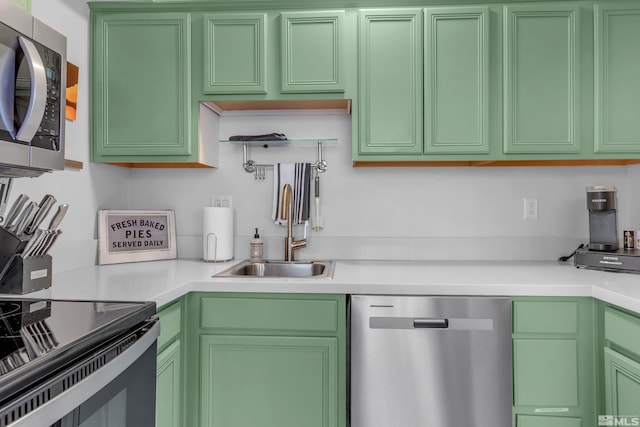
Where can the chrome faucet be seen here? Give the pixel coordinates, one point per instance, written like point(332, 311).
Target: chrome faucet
point(286, 212)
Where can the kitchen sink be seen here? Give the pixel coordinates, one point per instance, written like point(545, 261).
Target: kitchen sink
point(309, 269)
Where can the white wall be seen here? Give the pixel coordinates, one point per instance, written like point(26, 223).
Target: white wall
point(395, 213)
point(94, 187)
point(381, 213)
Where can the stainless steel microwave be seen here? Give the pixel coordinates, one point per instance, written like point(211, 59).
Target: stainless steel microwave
point(32, 94)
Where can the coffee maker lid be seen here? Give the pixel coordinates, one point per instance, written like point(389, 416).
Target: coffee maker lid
point(601, 188)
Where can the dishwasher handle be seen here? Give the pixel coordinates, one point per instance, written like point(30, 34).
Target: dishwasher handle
point(431, 323)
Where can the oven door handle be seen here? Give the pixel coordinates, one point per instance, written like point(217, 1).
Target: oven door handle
point(38, 92)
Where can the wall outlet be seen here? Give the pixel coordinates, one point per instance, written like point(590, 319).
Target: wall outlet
point(530, 209)
point(221, 201)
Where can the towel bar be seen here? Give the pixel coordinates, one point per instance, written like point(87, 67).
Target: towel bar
point(259, 170)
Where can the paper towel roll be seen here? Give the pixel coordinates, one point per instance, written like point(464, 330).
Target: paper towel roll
point(217, 234)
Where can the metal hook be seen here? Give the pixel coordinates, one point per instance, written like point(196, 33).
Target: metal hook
point(321, 165)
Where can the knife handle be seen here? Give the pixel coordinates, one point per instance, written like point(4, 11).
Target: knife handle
point(29, 213)
point(15, 210)
point(45, 206)
point(58, 216)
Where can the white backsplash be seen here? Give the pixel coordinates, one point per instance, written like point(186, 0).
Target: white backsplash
point(384, 213)
point(370, 213)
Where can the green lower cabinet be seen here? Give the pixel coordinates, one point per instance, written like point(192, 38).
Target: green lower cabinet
point(269, 381)
point(24, 4)
point(168, 390)
point(548, 421)
point(621, 360)
point(269, 360)
point(169, 371)
point(622, 384)
point(553, 362)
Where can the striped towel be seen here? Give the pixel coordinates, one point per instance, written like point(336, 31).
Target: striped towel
point(298, 175)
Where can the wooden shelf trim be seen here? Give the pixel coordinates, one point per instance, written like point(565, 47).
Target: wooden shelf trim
point(73, 164)
point(161, 165)
point(494, 163)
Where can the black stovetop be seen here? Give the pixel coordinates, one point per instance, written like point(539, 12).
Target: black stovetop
point(38, 336)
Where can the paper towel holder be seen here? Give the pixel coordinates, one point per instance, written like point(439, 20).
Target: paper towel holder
point(215, 248)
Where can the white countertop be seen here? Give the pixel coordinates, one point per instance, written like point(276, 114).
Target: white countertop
point(164, 281)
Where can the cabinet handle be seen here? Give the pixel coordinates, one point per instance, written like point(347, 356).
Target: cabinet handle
point(431, 323)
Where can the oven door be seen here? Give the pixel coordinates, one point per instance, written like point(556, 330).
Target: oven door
point(127, 401)
point(113, 386)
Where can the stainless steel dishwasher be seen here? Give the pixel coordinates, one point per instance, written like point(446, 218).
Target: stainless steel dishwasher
point(430, 361)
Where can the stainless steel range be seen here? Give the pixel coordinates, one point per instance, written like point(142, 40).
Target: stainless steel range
point(77, 363)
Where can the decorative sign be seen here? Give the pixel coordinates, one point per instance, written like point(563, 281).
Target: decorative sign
point(131, 236)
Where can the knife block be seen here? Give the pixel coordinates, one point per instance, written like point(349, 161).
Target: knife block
point(10, 245)
point(21, 275)
point(24, 275)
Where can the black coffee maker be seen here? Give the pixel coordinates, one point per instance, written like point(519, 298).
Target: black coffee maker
point(603, 225)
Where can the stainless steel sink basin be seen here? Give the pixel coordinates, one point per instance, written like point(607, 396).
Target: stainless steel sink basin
point(311, 269)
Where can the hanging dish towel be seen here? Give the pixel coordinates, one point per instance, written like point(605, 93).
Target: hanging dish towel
point(298, 176)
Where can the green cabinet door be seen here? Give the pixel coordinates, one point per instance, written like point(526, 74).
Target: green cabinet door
point(250, 381)
point(548, 421)
point(617, 78)
point(622, 384)
point(546, 372)
point(553, 361)
point(24, 4)
point(235, 53)
point(140, 86)
point(168, 387)
point(169, 367)
point(541, 79)
point(390, 82)
point(313, 51)
point(456, 80)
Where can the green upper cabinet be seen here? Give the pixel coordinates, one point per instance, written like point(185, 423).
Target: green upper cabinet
point(390, 81)
point(541, 79)
point(140, 86)
point(235, 53)
point(617, 77)
point(313, 51)
point(456, 83)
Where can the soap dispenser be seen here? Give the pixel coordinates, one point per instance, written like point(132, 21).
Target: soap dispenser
point(256, 248)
